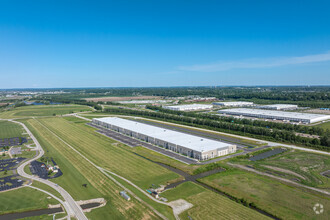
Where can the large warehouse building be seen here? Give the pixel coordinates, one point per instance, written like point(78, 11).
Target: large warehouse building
point(279, 107)
point(233, 104)
point(277, 115)
point(189, 145)
point(191, 107)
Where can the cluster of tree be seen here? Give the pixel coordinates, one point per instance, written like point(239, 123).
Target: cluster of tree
point(244, 121)
point(314, 96)
point(241, 129)
point(71, 101)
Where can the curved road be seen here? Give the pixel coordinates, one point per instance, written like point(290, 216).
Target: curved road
point(70, 205)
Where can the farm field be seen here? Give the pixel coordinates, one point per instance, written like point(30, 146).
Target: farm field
point(116, 206)
point(120, 98)
point(208, 204)
point(109, 154)
point(304, 167)
point(23, 199)
point(281, 200)
point(42, 110)
point(10, 129)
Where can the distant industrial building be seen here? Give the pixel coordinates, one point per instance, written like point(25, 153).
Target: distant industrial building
point(233, 104)
point(276, 115)
point(279, 107)
point(191, 107)
point(182, 143)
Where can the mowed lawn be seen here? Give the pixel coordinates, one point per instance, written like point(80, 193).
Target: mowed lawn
point(306, 165)
point(10, 129)
point(78, 171)
point(23, 199)
point(42, 110)
point(109, 154)
point(208, 204)
point(286, 202)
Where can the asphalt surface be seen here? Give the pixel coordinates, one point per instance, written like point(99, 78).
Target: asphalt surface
point(136, 142)
point(212, 136)
point(70, 205)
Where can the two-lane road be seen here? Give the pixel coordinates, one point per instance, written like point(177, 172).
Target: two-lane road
point(70, 205)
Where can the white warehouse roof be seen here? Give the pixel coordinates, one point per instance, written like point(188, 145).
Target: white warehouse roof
point(188, 107)
point(278, 106)
point(238, 103)
point(185, 140)
point(282, 115)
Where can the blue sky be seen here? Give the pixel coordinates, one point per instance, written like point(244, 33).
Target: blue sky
point(163, 43)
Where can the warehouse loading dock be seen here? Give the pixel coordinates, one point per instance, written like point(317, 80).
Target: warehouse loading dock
point(186, 144)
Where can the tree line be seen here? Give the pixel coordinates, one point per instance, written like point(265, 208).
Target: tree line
point(229, 127)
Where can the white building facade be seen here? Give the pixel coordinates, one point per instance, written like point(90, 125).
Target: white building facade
point(192, 107)
point(234, 104)
point(276, 115)
point(189, 145)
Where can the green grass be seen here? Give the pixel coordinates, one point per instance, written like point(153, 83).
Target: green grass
point(10, 129)
point(23, 199)
point(157, 157)
point(72, 179)
point(78, 171)
point(109, 154)
point(284, 201)
point(325, 125)
point(208, 204)
point(48, 189)
point(42, 110)
point(308, 165)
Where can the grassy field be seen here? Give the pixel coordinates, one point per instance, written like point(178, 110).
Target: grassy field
point(157, 157)
point(325, 125)
point(42, 110)
point(23, 199)
point(78, 171)
point(208, 204)
point(296, 165)
point(284, 201)
point(109, 154)
point(10, 129)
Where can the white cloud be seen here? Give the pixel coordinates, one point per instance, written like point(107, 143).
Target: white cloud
point(256, 63)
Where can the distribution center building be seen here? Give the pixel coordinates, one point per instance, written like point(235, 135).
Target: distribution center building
point(279, 107)
point(193, 146)
point(188, 107)
point(234, 104)
point(276, 115)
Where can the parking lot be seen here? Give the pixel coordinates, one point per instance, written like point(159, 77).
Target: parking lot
point(9, 164)
point(16, 150)
point(10, 182)
point(12, 141)
point(135, 142)
point(40, 169)
point(267, 154)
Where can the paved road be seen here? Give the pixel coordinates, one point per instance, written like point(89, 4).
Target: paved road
point(105, 172)
point(70, 205)
point(269, 143)
point(133, 142)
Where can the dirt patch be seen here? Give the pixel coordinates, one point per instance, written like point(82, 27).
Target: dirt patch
point(180, 206)
point(285, 171)
point(127, 98)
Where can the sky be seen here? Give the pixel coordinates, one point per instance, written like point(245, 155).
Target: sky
point(67, 44)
